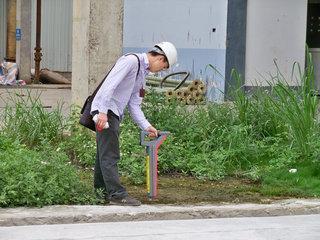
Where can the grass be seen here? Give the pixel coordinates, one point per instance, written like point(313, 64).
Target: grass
point(242, 150)
point(29, 122)
point(304, 182)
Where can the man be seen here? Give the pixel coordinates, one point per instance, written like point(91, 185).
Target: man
point(124, 86)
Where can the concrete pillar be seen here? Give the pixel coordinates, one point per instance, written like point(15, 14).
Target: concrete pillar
point(23, 49)
point(97, 43)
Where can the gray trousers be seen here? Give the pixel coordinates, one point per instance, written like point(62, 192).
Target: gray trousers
point(106, 176)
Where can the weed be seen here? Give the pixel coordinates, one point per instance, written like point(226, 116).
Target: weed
point(28, 122)
point(37, 178)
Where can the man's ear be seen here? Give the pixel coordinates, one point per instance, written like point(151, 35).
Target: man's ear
point(162, 58)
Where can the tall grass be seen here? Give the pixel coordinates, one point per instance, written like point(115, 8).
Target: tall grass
point(34, 170)
point(282, 110)
point(240, 99)
point(298, 107)
point(26, 120)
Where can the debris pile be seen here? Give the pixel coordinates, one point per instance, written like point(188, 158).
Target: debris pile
point(9, 74)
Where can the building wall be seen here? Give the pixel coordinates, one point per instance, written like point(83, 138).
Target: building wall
point(3, 30)
point(276, 31)
point(56, 34)
point(197, 28)
point(313, 37)
point(236, 45)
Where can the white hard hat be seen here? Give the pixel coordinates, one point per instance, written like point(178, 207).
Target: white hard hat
point(169, 51)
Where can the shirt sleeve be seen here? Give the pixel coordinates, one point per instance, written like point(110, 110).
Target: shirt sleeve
point(134, 108)
point(124, 66)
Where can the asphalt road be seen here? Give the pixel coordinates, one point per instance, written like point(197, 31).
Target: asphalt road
point(304, 227)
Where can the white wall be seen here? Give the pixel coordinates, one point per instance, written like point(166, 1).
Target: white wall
point(276, 30)
point(189, 25)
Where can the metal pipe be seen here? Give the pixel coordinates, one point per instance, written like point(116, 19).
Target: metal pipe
point(38, 54)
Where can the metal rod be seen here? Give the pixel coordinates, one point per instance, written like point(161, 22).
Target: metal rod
point(38, 54)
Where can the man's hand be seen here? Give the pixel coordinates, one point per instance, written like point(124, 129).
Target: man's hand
point(101, 122)
point(152, 131)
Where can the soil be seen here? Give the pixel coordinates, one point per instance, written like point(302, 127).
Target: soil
point(188, 190)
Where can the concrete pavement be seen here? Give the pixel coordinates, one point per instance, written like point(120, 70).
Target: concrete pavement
point(91, 214)
point(302, 227)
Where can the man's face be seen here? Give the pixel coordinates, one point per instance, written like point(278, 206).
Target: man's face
point(159, 64)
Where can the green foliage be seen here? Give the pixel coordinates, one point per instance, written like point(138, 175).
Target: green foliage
point(132, 154)
point(205, 141)
point(28, 122)
point(304, 182)
point(281, 110)
point(78, 142)
point(298, 109)
point(241, 101)
point(259, 136)
point(37, 178)
point(267, 129)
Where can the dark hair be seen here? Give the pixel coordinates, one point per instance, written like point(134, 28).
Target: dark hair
point(154, 53)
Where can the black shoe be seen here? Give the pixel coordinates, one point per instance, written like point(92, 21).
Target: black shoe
point(126, 201)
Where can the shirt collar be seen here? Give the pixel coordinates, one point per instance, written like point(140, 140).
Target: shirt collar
point(145, 63)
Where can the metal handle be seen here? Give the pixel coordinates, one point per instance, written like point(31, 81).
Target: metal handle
point(154, 141)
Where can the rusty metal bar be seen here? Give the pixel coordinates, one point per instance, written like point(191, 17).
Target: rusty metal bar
point(38, 54)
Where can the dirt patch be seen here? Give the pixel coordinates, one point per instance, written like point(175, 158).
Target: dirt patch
point(188, 190)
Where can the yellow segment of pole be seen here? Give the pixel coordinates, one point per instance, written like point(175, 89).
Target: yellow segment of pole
point(148, 173)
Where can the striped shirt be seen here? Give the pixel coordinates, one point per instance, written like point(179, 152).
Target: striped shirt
point(121, 89)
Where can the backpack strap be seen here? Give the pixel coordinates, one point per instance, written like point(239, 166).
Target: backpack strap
point(97, 89)
point(138, 62)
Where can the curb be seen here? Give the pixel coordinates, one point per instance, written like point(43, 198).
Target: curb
point(89, 214)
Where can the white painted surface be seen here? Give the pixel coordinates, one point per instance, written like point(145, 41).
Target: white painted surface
point(276, 30)
point(197, 28)
point(187, 23)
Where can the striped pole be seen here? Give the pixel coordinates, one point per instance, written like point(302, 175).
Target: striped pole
point(152, 147)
